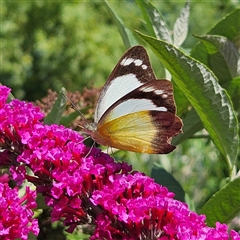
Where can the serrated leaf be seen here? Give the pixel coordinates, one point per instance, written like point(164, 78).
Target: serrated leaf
point(180, 29)
point(191, 125)
point(224, 205)
point(155, 22)
point(126, 34)
point(164, 178)
point(223, 57)
point(57, 109)
point(228, 28)
point(204, 93)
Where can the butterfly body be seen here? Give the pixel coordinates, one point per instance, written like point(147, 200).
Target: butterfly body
point(135, 111)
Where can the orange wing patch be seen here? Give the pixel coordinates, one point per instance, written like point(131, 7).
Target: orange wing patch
point(144, 131)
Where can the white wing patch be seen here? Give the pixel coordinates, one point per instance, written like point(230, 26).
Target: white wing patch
point(126, 61)
point(144, 67)
point(117, 88)
point(152, 89)
point(132, 106)
point(137, 62)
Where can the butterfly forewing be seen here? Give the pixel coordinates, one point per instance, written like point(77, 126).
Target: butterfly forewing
point(132, 71)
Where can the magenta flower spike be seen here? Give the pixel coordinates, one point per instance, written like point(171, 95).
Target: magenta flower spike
point(86, 186)
point(16, 213)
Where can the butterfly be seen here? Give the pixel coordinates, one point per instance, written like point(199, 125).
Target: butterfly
point(135, 111)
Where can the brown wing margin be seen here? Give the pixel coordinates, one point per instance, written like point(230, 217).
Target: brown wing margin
point(145, 131)
point(168, 125)
point(143, 75)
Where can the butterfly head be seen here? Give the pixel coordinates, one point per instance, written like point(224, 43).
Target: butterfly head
point(90, 127)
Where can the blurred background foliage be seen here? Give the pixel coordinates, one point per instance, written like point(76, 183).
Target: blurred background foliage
point(48, 45)
point(75, 44)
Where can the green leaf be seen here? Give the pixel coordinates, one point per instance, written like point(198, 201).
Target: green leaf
point(154, 21)
point(10, 97)
point(180, 29)
point(126, 34)
point(191, 125)
point(224, 205)
point(57, 110)
point(181, 101)
point(228, 28)
point(147, 11)
point(234, 92)
point(164, 178)
point(223, 57)
point(204, 93)
point(66, 120)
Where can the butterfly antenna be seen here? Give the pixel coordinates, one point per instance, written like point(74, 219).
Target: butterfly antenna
point(90, 150)
point(73, 106)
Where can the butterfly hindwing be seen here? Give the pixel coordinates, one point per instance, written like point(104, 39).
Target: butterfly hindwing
point(143, 131)
point(156, 95)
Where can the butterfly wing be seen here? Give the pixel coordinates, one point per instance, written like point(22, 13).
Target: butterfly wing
point(156, 95)
point(144, 131)
point(135, 111)
point(144, 120)
point(132, 71)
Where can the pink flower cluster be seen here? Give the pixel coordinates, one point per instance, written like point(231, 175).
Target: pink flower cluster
point(84, 185)
point(16, 213)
